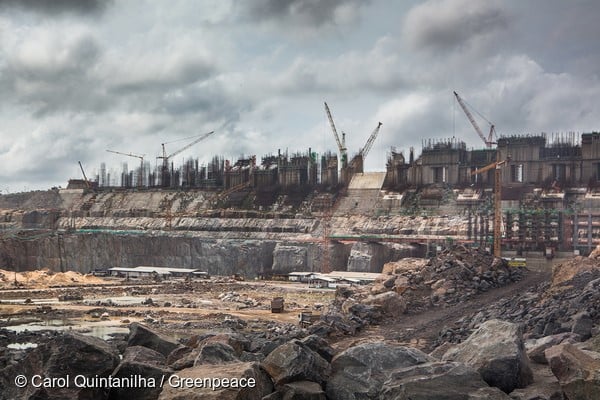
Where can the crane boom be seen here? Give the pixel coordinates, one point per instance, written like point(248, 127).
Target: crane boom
point(488, 142)
point(187, 146)
point(341, 144)
point(365, 150)
point(141, 157)
point(165, 157)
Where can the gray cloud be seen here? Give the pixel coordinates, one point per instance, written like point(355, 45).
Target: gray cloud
point(53, 7)
point(312, 13)
point(444, 25)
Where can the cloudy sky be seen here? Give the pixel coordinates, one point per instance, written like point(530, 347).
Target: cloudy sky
point(78, 77)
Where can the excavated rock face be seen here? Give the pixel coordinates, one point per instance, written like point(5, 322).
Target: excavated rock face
point(497, 352)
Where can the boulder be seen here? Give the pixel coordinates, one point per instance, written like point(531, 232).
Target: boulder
point(302, 390)
point(216, 353)
point(545, 386)
point(196, 383)
point(582, 325)
point(238, 342)
point(437, 380)
point(69, 354)
point(391, 303)
point(143, 355)
point(153, 375)
point(536, 348)
point(319, 345)
point(295, 361)
point(360, 371)
point(178, 354)
point(497, 352)
point(141, 335)
point(577, 371)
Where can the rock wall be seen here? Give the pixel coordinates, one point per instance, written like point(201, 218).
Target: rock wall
point(370, 257)
point(84, 252)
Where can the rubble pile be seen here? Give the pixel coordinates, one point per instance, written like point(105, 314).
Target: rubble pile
point(569, 303)
point(415, 285)
point(455, 275)
point(45, 278)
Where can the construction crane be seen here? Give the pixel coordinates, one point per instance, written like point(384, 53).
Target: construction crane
point(141, 157)
point(497, 166)
point(165, 158)
point(489, 140)
point(87, 183)
point(362, 153)
point(341, 144)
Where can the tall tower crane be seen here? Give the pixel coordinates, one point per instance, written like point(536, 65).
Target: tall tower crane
point(165, 157)
point(341, 144)
point(141, 157)
point(362, 153)
point(497, 166)
point(489, 140)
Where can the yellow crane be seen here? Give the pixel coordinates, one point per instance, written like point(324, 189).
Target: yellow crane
point(497, 166)
point(141, 157)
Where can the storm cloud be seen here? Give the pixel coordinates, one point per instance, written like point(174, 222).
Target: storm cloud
point(134, 74)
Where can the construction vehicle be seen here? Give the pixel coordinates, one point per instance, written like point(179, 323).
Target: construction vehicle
point(357, 162)
point(489, 140)
point(497, 166)
point(141, 157)
point(165, 175)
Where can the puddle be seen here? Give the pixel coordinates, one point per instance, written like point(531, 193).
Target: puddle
point(22, 346)
point(53, 300)
point(100, 329)
point(121, 300)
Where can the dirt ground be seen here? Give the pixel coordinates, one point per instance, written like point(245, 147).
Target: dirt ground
point(177, 305)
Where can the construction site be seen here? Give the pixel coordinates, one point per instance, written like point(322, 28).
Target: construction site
point(262, 252)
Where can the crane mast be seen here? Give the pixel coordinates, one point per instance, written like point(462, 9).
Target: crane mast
point(497, 166)
point(488, 141)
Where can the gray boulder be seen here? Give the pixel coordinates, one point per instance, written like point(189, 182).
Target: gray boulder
point(143, 367)
point(295, 361)
point(319, 345)
point(497, 352)
point(216, 353)
point(360, 371)
point(141, 335)
point(438, 380)
point(69, 354)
